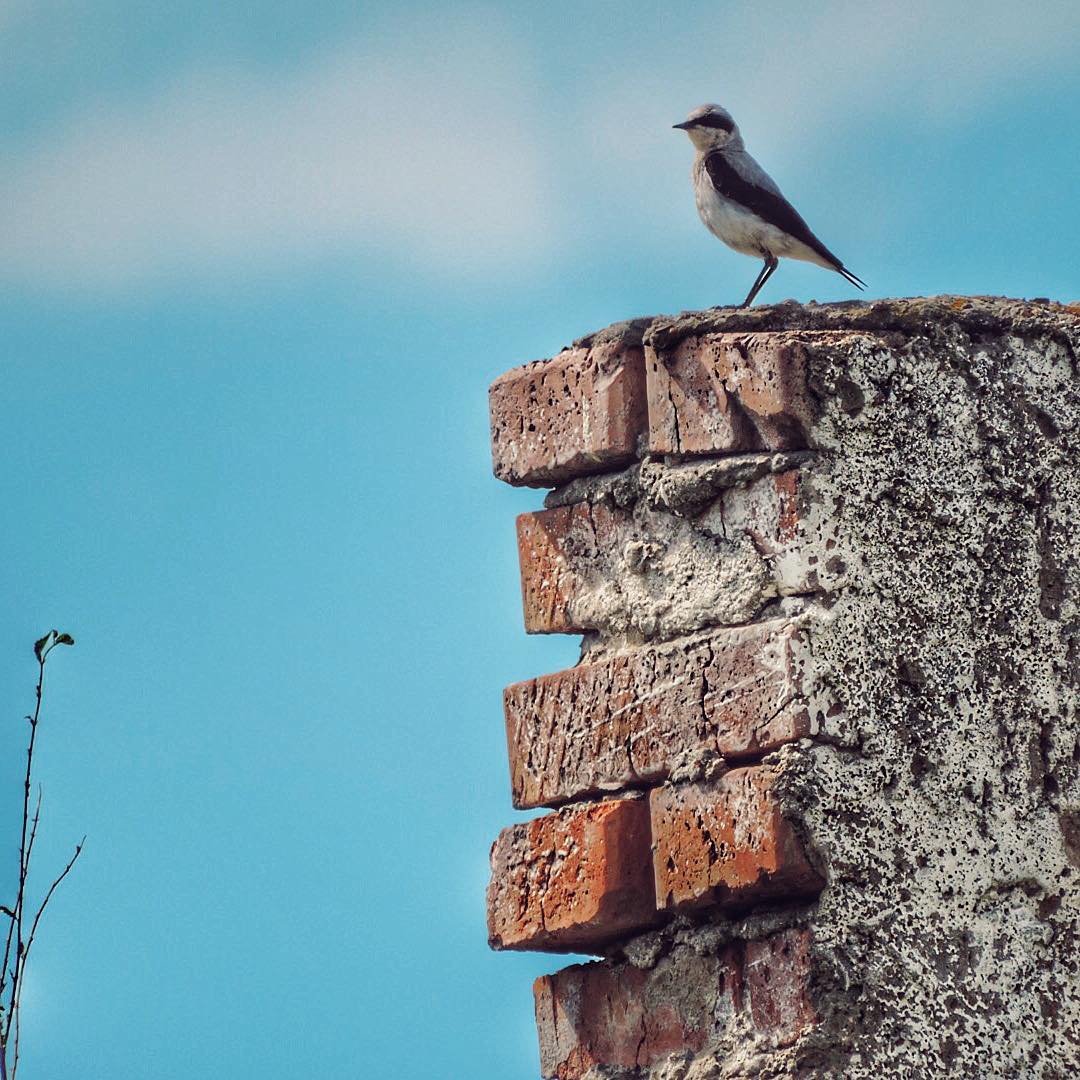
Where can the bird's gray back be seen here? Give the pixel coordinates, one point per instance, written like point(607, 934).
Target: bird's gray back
point(747, 168)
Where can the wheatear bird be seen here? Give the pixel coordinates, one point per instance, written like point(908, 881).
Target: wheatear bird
point(739, 202)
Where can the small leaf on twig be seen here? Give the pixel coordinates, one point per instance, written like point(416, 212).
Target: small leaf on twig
point(42, 644)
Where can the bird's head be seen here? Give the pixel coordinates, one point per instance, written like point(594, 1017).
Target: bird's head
point(710, 127)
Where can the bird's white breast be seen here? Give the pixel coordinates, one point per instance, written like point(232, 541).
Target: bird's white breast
point(738, 227)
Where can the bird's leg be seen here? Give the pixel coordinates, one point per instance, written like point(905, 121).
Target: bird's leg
point(771, 263)
point(758, 281)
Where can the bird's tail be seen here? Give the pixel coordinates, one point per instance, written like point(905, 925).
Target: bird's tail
point(857, 282)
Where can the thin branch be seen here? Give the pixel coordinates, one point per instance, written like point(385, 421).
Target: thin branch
point(33, 830)
point(48, 896)
point(17, 996)
point(15, 966)
point(16, 925)
point(20, 960)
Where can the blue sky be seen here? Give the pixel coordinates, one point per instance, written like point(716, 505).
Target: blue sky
point(261, 261)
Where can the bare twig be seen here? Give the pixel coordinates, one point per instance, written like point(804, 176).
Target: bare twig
point(17, 922)
point(13, 968)
point(33, 829)
point(17, 997)
point(22, 952)
point(48, 896)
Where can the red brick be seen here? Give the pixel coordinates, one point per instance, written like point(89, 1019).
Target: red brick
point(573, 880)
point(616, 1015)
point(776, 975)
point(582, 412)
point(719, 393)
point(628, 719)
point(557, 549)
point(726, 842)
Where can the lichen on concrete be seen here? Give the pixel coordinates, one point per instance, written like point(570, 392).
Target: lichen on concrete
point(948, 936)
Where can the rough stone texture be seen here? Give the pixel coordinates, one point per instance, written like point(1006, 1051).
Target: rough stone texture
point(573, 880)
point(726, 842)
point(941, 792)
point(643, 571)
point(637, 715)
point(936, 573)
point(582, 411)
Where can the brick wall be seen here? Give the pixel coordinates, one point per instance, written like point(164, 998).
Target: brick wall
point(811, 794)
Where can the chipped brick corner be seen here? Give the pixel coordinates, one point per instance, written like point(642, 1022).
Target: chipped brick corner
point(812, 793)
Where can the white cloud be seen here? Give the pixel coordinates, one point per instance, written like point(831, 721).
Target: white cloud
point(434, 146)
point(396, 148)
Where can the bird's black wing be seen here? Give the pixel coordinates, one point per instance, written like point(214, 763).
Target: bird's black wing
point(770, 206)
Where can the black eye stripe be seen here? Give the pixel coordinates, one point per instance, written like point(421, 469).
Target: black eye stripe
point(714, 121)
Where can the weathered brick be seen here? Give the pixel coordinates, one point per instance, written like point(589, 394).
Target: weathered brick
point(776, 978)
point(617, 1015)
point(726, 842)
point(598, 566)
point(583, 411)
point(724, 392)
point(573, 880)
point(629, 718)
point(557, 549)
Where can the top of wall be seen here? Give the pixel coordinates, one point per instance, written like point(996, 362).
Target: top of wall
point(912, 316)
point(726, 380)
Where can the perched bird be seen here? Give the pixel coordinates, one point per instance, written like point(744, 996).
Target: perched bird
point(739, 202)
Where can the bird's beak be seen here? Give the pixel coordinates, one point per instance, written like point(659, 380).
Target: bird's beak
point(686, 125)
